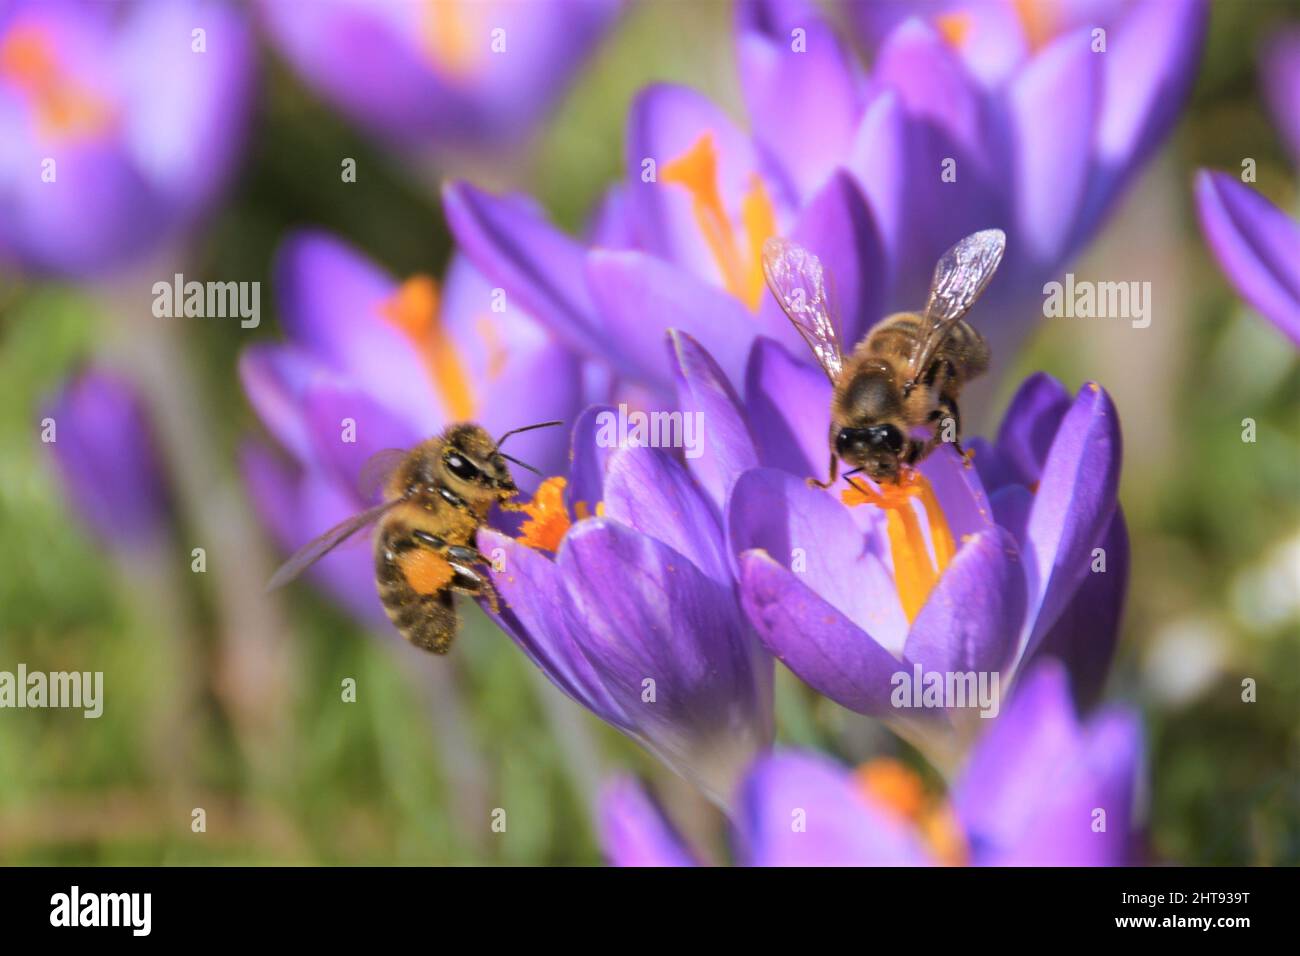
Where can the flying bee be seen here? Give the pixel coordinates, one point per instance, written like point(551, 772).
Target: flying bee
point(436, 497)
point(907, 372)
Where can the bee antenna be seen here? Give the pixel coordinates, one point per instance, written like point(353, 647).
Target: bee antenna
point(526, 428)
point(522, 464)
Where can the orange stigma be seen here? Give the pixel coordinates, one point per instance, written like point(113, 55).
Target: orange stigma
point(916, 569)
point(548, 520)
point(414, 310)
point(892, 785)
point(64, 110)
point(954, 27)
point(741, 266)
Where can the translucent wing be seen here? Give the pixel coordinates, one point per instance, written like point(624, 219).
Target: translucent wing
point(798, 282)
point(960, 277)
point(376, 471)
point(318, 547)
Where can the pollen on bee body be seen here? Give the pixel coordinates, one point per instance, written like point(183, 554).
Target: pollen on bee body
point(918, 562)
point(424, 571)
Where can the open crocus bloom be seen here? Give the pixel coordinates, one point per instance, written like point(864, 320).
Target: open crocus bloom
point(850, 165)
point(371, 363)
point(1039, 789)
point(120, 124)
point(454, 73)
point(959, 571)
point(949, 575)
point(620, 589)
point(1256, 244)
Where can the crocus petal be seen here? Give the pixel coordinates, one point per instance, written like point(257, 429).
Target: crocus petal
point(331, 299)
point(633, 829)
point(842, 826)
point(1030, 425)
point(820, 645)
point(666, 121)
point(1032, 787)
point(1280, 72)
point(959, 491)
point(642, 611)
point(725, 448)
point(1085, 635)
point(879, 162)
point(347, 427)
point(649, 490)
point(1150, 65)
point(972, 618)
point(788, 404)
point(775, 74)
point(540, 267)
point(1257, 246)
point(105, 453)
point(1054, 103)
point(838, 226)
point(275, 377)
point(808, 530)
point(640, 297)
point(531, 589)
point(1072, 507)
point(589, 452)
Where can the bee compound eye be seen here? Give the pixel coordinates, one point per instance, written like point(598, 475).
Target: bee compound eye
point(852, 440)
point(461, 467)
point(886, 436)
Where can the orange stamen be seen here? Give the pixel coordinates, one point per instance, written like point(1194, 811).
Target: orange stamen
point(742, 271)
point(917, 567)
point(64, 110)
point(548, 520)
point(1036, 21)
point(892, 785)
point(954, 27)
point(447, 34)
point(414, 310)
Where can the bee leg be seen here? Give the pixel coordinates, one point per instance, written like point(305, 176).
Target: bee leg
point(949, 404)
point(468, 581)
point(834, 468)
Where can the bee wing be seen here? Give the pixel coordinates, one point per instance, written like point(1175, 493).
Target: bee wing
point(376, 471)
point(960, 278)
point(323, 544)
point(798, 282)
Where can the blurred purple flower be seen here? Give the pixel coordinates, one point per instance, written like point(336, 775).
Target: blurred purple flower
point(977, 569)
point(121, 123)
point(850, 165)
point(1256, 244)
point(636, 616)
point(451, 73)
point(106, 459)
point(1039, 789)
point(387, 364)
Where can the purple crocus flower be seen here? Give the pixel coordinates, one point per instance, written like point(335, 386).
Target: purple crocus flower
point(99, 434)
point(121, 123)
point(1256, 244)
point(962, 570)
point(371, 363)
point(1039, 789)
point(450, 73)
point(621, 590)
point(878, 173)
point(969, 570)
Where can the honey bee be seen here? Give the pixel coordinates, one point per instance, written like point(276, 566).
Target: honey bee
point(436, 497)
point(905, 375)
